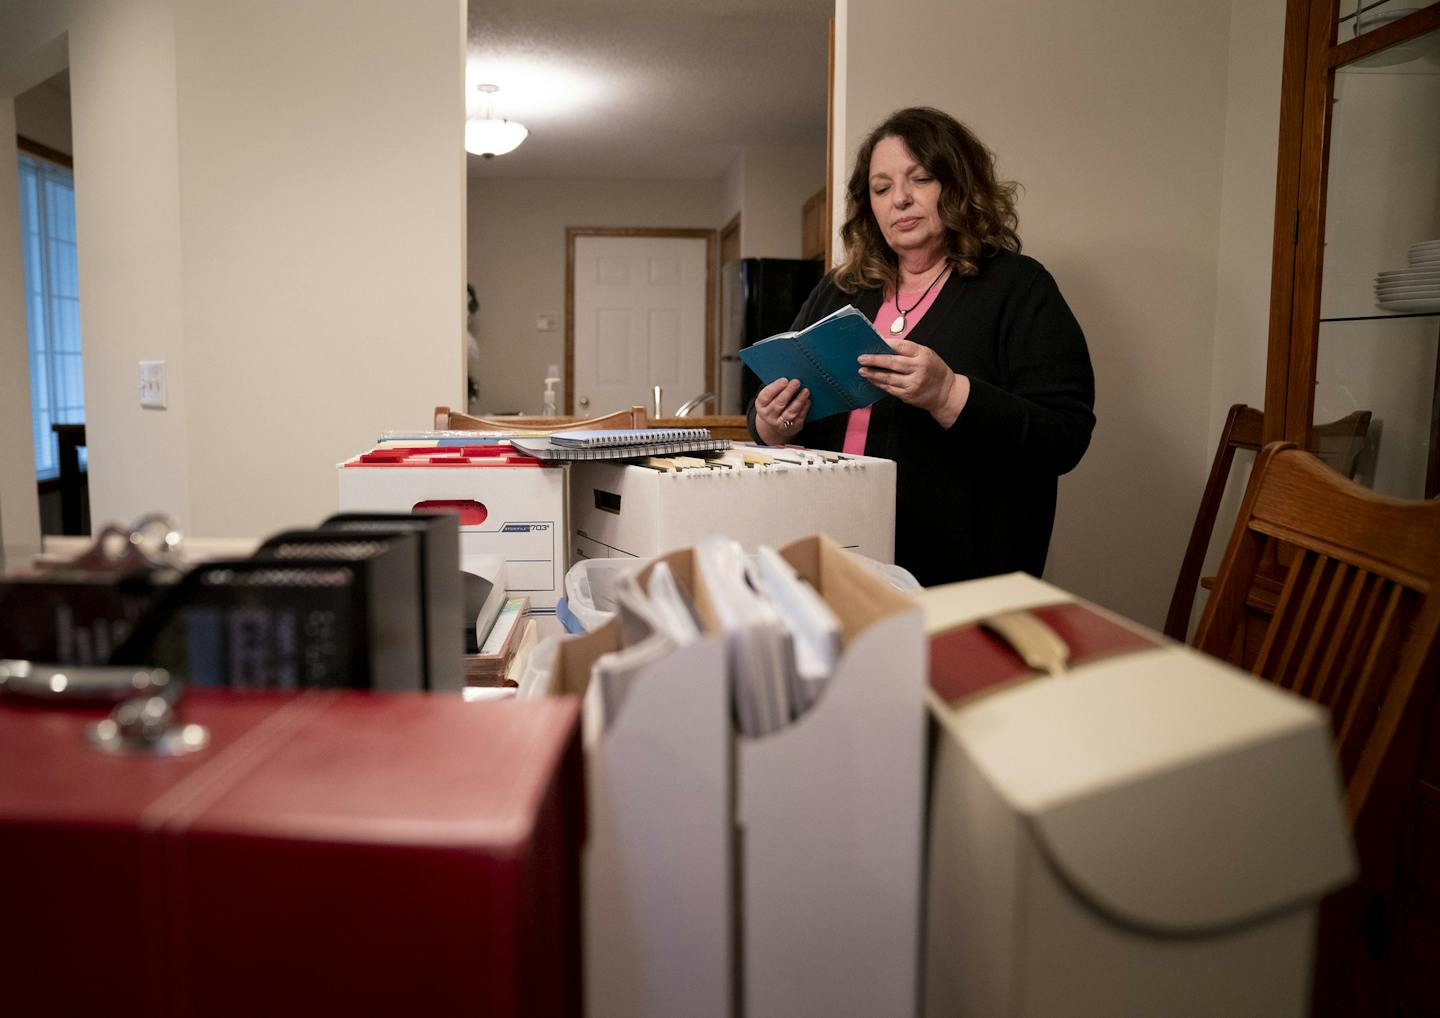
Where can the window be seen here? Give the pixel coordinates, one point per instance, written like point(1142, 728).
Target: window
point(52, 304)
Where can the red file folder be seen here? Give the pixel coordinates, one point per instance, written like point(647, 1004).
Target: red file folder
point(327, 854)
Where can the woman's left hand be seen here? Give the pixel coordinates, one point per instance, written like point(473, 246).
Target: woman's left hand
point(916, 375)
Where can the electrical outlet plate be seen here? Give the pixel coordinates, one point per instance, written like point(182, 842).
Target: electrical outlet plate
point(152, 384)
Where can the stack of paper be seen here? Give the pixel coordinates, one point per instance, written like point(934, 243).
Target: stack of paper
point(491, 666)
point(783, 641)
point(652, 625)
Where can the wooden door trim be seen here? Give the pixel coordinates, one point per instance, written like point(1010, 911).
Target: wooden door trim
point(725, 231)
point(712, 246)
point(53, 155)
point(1314, 134)
point(1287, 215)
point(830, 152)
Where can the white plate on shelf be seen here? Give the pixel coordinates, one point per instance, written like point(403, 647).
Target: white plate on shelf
point(1430, 304)
point(1421, 261)
point(1422, 295)
point(1390, 284)
point(1411, 275)
point(1411, 292)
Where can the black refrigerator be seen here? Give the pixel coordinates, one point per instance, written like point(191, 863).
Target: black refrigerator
point(761, 297)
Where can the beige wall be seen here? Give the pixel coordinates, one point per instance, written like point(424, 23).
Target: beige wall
point(19, 511)
point(291, 246)
point(1247, 217)
point(323, 215)
point(42, 114)
point(127, 217)
point(778, 180)
point(517, 265)
point(1113, 118)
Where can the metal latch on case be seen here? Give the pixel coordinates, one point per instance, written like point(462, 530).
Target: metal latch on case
point(144, 719)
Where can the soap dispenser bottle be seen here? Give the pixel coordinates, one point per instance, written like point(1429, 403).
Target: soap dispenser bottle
point(552, 379)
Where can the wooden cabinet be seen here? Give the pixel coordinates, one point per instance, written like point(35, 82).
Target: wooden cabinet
point(1356, 195)
point(814, 226)
point(1358, 176)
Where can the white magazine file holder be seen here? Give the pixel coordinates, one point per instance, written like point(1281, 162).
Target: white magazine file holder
point(658, 933)
point(830, 811)
point(812, 906)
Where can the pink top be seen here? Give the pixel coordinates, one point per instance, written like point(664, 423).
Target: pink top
point(858, 425)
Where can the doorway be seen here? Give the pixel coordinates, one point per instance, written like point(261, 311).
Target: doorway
point(639, 314)
point(52, 305)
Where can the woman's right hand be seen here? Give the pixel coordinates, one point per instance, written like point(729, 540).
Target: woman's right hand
point(780, 410)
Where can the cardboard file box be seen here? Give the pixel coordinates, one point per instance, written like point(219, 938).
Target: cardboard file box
point(1147, 834)
point(326, 854)
point(624, 510)
point(802, 847)
point(512, 506)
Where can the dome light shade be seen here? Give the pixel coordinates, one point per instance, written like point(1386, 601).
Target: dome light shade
point(493, 137)
point(488, 135)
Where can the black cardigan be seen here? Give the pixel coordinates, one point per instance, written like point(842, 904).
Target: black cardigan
point(979, 498)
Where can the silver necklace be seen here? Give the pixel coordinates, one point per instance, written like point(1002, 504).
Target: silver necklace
point(898, 325)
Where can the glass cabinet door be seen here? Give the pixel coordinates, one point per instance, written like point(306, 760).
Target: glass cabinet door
point(1377, 383)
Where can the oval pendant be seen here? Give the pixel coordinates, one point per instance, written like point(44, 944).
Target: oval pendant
point(897, 326)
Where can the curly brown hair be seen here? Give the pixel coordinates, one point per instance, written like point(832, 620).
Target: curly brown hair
point(977, 209)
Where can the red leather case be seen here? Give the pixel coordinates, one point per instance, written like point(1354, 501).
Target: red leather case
point(327, 854)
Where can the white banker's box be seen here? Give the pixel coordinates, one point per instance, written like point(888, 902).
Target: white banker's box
point(623, 510)
point(512, 507)
point(1147, 834)
point(801, 848)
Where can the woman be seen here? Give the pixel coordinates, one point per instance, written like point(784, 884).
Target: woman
point(988, 389)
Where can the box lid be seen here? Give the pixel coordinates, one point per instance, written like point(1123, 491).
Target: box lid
point(1171, 792)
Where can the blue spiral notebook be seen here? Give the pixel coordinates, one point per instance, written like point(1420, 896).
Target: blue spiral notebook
point(824, 357)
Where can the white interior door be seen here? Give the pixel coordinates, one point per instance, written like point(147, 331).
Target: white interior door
point(639, 322)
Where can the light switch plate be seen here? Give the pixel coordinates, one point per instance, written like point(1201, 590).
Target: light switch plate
point(152, 385)
point(546, 322)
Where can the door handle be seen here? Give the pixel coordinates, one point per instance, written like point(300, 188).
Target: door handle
point(584, 402)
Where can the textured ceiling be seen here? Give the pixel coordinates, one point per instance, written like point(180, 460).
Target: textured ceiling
point(666, 89)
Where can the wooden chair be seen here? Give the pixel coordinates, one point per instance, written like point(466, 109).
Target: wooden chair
point(1338, 443)
point(453, 420)
point(731, 427)
point(1356, 616)
point(1355, 627)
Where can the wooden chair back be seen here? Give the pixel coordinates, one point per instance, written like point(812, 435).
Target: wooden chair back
point(1356, 617)
point(1338, 443)
point(731, 427)
point(453, 420)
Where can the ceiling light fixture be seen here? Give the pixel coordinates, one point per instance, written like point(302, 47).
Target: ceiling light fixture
point(488, 137)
